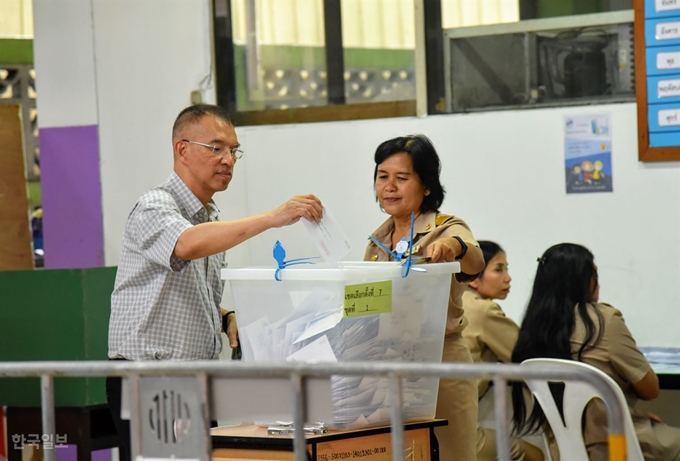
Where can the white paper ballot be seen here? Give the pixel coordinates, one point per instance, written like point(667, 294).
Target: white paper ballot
point(328, 237)
point(320, 325)
point(316, 351)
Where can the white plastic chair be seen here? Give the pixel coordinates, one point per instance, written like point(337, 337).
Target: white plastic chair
point(569, 435)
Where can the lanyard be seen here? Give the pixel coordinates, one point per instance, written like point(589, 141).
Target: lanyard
point(400, 248)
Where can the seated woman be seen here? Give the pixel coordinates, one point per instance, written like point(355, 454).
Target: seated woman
point(491, 336)
point(565, 320)
point(406, 181)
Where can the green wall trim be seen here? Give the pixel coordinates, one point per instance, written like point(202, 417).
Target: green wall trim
point(303, 57)
point(16, 51)
point(34, 193)
point(380, 58)
point(552, 8)
point(313, 57)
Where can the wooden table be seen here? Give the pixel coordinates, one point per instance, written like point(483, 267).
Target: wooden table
point(368, 444)
point(669, 375)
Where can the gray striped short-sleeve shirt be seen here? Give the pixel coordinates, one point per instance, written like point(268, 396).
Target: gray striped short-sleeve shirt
point(164, 308)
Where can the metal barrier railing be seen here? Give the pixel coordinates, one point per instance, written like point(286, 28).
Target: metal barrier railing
point(299, 372)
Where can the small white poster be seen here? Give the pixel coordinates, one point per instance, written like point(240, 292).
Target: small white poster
point(588, 154)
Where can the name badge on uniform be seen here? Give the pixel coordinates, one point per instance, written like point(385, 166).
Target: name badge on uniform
point(401, 248)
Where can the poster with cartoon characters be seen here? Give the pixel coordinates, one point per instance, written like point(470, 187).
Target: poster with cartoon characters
point(588, 154)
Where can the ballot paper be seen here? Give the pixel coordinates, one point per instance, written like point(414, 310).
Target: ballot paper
point(321, 324)
point(254, 340)
point(312, 328)
point(316, 351)
point(328, 237)
point(404, 324)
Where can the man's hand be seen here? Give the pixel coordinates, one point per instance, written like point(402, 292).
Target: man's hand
point(232, 331)
point(301, 206)
point(229, 326)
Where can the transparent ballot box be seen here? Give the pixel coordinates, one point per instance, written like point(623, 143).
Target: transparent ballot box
point(356, 311)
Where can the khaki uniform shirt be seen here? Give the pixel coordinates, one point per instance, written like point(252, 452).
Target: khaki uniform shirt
point(429, 227)
point(490, 335)
point(617, 355)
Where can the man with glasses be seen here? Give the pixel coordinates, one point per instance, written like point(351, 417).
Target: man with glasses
point(166, 300)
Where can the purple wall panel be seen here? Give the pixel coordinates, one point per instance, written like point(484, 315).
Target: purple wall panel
point(70, 453)
point(72, 197)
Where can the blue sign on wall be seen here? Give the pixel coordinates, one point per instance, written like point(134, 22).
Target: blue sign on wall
point(662, 52)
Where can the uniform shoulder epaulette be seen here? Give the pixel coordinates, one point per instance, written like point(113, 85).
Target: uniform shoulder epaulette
point(442, 219)
point(606, 304)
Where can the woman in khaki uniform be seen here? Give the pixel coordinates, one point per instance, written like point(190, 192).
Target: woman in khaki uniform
point(406, 180)
point(564, 320)
point(491, 336)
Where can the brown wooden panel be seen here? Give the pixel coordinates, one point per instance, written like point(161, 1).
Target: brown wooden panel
point(16, 251)
point(645, 152)
point(242, 454)
point(377, 447)
point(327, 113)
point(251, 442)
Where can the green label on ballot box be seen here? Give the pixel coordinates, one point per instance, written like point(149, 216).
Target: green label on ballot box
point(368, 298)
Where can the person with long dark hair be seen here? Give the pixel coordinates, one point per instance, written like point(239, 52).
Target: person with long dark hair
point(564, 320)
point(406, 181)
point(491, 337)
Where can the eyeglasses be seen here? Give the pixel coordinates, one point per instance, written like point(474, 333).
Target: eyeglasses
point(220, 151)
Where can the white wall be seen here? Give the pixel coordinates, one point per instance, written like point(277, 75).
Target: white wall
point(504, 171)
point(149, 56)
point(64, 63)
